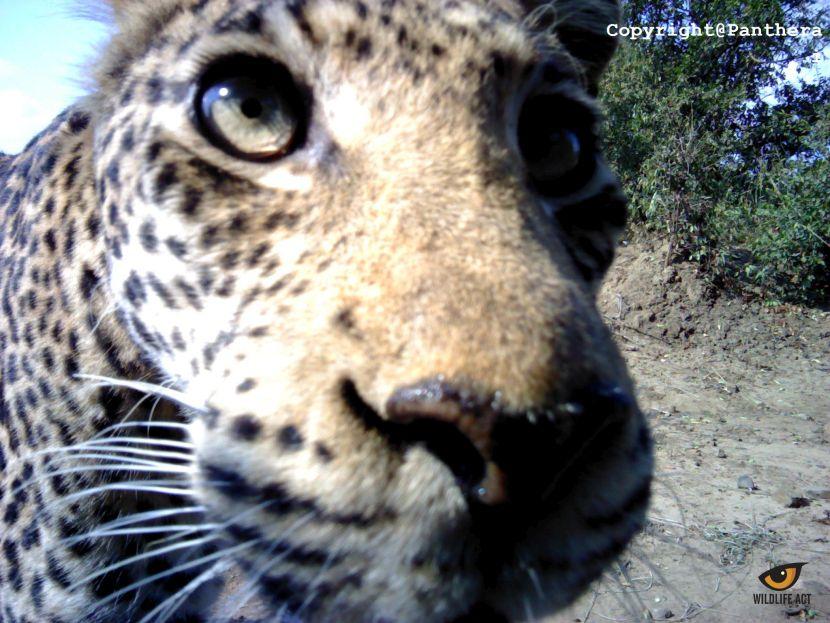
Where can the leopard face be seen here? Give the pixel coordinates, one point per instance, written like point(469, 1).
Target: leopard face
point(360, 243)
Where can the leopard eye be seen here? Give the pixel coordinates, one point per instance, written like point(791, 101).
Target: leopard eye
point(555, 140)
point(252, 109)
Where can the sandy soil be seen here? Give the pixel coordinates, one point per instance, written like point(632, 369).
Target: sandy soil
point(732, 390)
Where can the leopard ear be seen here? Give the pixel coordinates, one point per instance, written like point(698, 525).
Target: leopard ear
point(124, 10)
point(120, 7)
point(581, 26)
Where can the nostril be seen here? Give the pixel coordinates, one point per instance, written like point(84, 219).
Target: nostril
point(408, 426)
point(452, 423)
point(450, 446)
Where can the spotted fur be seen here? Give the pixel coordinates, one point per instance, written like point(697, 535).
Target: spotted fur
point(369, 373)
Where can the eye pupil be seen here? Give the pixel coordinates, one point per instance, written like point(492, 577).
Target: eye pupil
point(551, 136)
point(251, 108)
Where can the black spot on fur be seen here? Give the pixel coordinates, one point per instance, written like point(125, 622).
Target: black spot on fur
point(246, 427)
point(250, 23)
point(176, 247)
point(78, 122)
point(191, 201)
point(364, 48)
point(89, 281)
point(323, 452)
point(168, 176)
point(134, 290)
point(290, 438)
point(56, 571)
point(49, 239)
point(147, 236)
point(228, 482)
point(245, 386)
point(155, 90)
point(161, 291)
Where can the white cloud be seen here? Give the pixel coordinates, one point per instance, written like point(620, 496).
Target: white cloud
point(22, 117)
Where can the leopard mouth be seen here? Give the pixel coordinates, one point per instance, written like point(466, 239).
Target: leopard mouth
point(492, 542)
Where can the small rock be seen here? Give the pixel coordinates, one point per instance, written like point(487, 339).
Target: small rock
point(721, 453)
point(746, 482)
point(662, 614)
point(798, 502)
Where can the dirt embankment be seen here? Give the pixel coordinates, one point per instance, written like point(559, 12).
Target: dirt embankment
point(735, 392)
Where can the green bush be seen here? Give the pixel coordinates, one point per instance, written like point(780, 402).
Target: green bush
point(722, 154)
point(782, 232)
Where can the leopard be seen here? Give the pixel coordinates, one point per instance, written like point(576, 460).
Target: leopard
point(302, 293)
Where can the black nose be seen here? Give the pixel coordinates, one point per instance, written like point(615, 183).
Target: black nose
point(501, 455)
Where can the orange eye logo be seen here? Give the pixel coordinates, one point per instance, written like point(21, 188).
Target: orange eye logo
point(782, 577)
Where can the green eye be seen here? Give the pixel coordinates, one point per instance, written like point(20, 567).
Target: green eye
point(252, 109)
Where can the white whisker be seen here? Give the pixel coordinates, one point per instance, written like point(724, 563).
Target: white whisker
point(135, 518)
point(623, 599)
point(313, 585)
point(264, 564)
point(661, 578)
point(217, 527)
point(157, 543)
point(147, 388)
point(95, 441)
point(188, 528)
point(124, 460)
point(138, 558)
point(172, 571)
point(92, 469)
point(529, 614)
point(632, 594)
point(135, 407)
point(139, 486)
point(138, 424)
point(169, 606)
point(280, 615)
point(534, 579)
point(96, 447)
point(121, 444)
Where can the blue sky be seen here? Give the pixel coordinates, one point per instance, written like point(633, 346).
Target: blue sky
point(44, 48)
point(43, 52)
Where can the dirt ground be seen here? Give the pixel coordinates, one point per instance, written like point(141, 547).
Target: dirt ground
point(733, 391)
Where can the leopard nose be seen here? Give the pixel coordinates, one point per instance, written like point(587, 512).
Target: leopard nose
point(500, 455)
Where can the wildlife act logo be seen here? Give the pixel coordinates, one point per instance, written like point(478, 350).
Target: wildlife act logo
point(779, 579)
